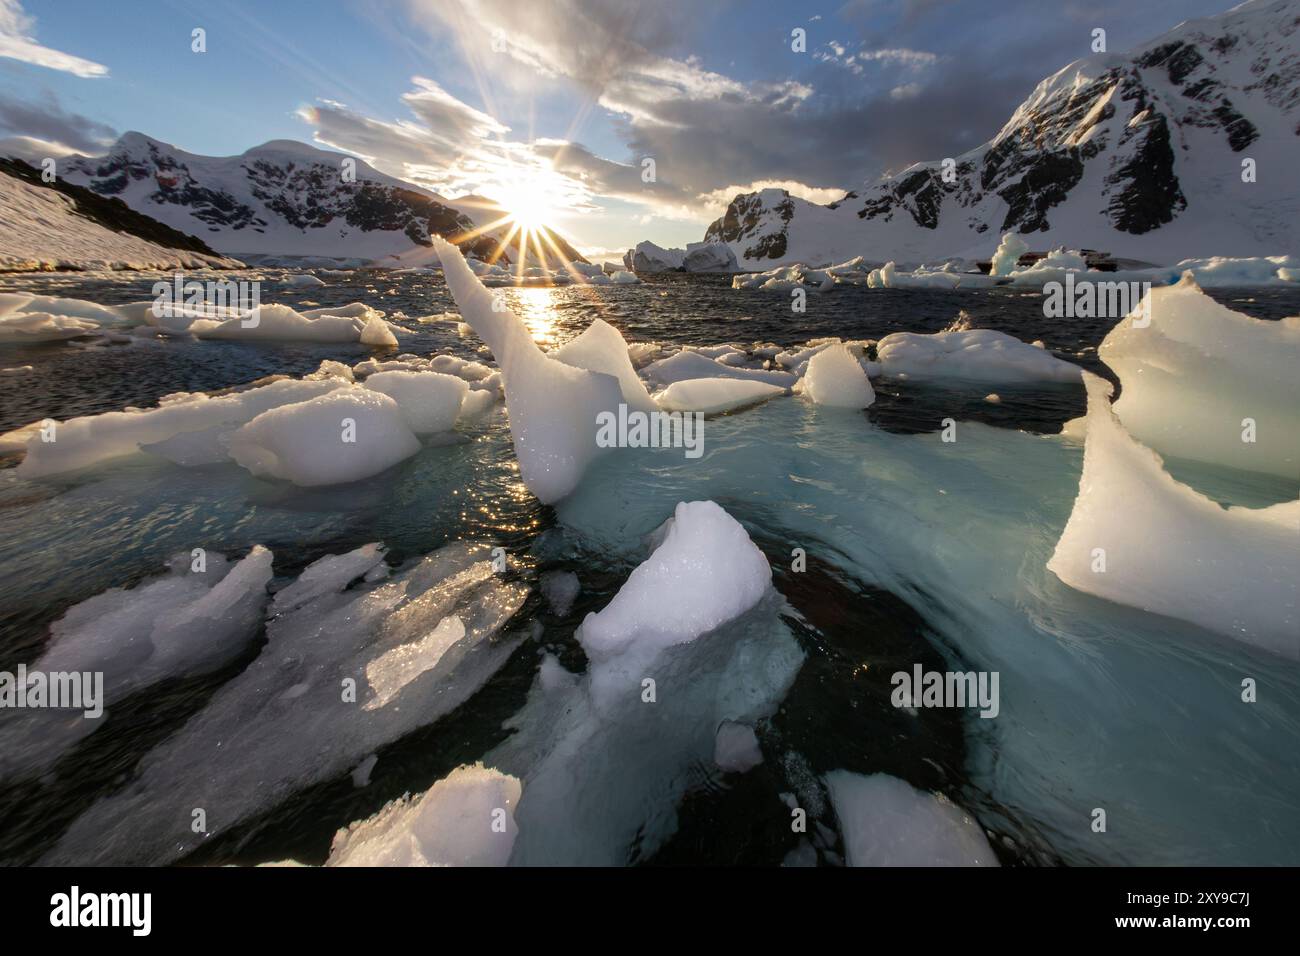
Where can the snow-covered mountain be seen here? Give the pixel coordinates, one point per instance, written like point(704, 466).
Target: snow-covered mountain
point(1139, 154)
point(64, 226)
point(283, 198)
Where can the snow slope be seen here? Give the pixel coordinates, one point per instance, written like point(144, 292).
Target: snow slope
point(41, 229)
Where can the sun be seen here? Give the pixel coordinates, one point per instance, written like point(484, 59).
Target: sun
point(526, 204)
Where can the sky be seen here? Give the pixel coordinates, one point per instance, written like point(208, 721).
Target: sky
point(560, 103)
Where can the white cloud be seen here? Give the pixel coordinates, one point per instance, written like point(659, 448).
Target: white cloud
point(903, 56)
point(906, 91)
point(716, 201)
point(17, 43)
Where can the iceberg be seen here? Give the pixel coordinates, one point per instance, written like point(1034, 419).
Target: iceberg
point(1203, 382)
point(622, 638)
point(1007, 257)
point(1139, 537)
point(699, 621)
point(553, 407)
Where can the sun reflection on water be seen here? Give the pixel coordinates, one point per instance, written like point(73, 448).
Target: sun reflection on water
point(536, 308)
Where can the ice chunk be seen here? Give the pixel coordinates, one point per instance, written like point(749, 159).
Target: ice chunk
point(346, 435)
point(603, 769)
point(279, 323)
point(297, 714)
point(465, 819)
point(88, 440)
point(477, 403)
point(706, 571)
point(186, 622)
point(553, 407)
point(714, 395)
point(430, 402)
point(976, 354)
point(326, 576)
point(686, 364)
point(600, 348)
point(301, 281)
point(1138, 537)
point(835, 377)
point(736, 749)
point(885, 822)
point(560, 588)
point(1198, 380)
point(18, 328)
point(1007, 257)
point(377, 332)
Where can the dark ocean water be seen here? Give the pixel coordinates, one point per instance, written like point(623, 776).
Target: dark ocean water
point(70, 537)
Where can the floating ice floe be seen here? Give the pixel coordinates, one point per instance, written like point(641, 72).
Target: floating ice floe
point(1139, 537)
point(279, 323)
point(836, 378)
point(553, 406)
point(327, 575)
point(637, 624)
point(25, 317)
point(345, 435)
point(31, 318)
point(91, 439)
point(363, 430)
point(711, 396)
point(692, 639)
point(301, 280)
point(306, 709)
point(1201, 381)
point(1005, 270)
point(975, 354)
point(465, 819)
point(886, 822)
point(687, 364)
point(494, 275)
point(189, 621)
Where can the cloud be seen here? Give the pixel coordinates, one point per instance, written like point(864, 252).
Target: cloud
point(904, 81)
point(716, 202)
point(17, 43)
point(46, 120)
